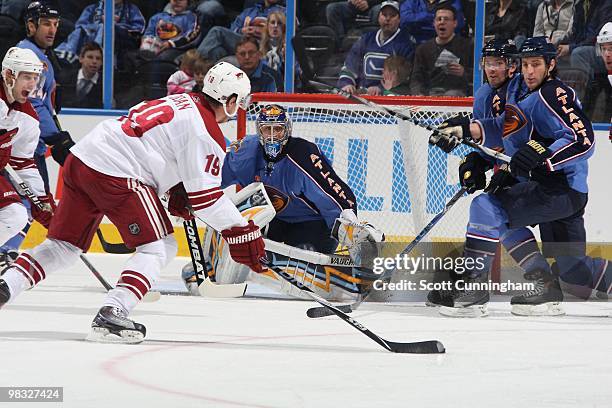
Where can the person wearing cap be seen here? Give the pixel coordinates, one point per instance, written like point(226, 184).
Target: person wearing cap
point(363, 67)
point(341, 14)
point(443, 65)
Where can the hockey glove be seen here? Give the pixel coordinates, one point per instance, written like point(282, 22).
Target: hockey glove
point(528, 158)
point(246, 246)
point(178, 203)
point(500, 180)
point(60, 143)
point(45, 214)
point(6, 142)
point(472, 172)
point(451, 133)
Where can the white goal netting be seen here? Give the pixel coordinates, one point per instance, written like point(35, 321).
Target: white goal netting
point(400, 182)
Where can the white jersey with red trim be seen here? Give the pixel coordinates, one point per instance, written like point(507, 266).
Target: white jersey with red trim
point(161, 143)
point(24, 117)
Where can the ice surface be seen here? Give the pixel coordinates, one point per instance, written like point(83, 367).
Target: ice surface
point(254, 352)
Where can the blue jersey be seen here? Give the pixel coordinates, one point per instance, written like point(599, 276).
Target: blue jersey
point(364, 63)
point(489, 103)
point(551, 115)
point(417, 17)
point(254, 15)
point(42, 96)
point(302, 185)
point(172, 27)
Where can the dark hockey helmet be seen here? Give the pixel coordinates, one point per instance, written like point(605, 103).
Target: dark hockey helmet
point(538, 47)
point(274, 130)
point(40, 9)
point(500, 48)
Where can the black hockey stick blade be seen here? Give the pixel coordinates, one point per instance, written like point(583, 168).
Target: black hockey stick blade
point(111, 248)
point(315, 312)
point(421, 347)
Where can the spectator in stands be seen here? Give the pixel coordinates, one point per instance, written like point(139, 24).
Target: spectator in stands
point(554, 20)
point(589, 18)
point(84, 88)
point(249, 60)
point(363, 66)
point(221, 41)
point(341, 14)
point(183, 80)
point(396, 76)
point(200, 69)
point(507, 19)
point(600, 110)
point(168, 31)
point(443, 65)
point(212, 9)
point(129, 25)
point(417, 16)
point(13, 8)
point(272, 45)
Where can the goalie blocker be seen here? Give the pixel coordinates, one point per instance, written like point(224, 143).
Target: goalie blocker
point(334, 277)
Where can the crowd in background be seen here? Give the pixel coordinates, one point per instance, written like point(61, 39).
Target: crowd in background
point(378, 47)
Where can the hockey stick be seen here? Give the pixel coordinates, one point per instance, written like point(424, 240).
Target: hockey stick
point(421, 347)
point(110, 248)
point(205, 286)
point(322, 312)
point(26, 190)
point(488, 151)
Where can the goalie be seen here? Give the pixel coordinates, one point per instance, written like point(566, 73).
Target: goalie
point(314, 209)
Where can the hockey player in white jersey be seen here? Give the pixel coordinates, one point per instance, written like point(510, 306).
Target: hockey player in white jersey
point(19, 132)
point(119, 170)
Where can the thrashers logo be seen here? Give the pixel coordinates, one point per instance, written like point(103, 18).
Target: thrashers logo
point(514, 120)
point(278, 198)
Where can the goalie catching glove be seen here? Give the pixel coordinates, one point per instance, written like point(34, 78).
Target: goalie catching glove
point(246, 246)
point(352, 234)
point(44, 215)
point(451, 133)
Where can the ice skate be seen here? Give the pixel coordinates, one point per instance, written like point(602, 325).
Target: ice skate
point(467, 300)
point(544, 300)
point(111, 325)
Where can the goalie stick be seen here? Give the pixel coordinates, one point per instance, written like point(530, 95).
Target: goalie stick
point(25, 189)
point(420, 347)
point(322, 311)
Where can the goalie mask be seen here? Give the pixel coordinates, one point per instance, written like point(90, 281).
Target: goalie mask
point(274, 130)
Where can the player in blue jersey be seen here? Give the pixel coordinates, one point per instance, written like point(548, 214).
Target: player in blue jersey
point(545, 131)
point(307, 194)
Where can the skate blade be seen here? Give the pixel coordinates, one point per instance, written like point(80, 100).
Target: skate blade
point(545, 309)
point(102, 335)
point(470, 311)
point(431, 304)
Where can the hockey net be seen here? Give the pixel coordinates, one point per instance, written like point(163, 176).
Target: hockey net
point(399, 180)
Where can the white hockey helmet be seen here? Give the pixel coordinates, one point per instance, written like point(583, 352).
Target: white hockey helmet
point(224, 80)
point(605, 36)
point(19, 60)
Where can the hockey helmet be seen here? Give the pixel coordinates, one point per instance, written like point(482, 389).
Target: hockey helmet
point(40, 9)
point(500, 48)
point(19, 60)
point(605, 36)
point(223, 81)
point(538, 47)
point(274, 129)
